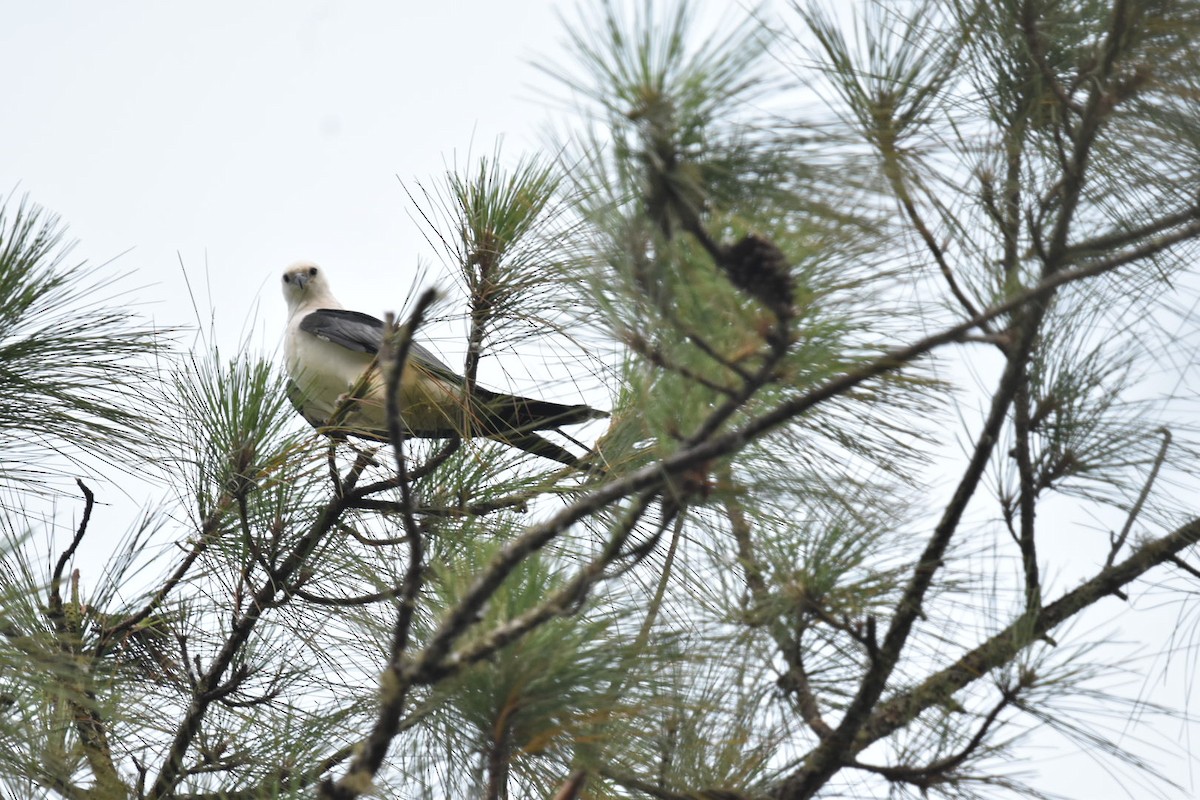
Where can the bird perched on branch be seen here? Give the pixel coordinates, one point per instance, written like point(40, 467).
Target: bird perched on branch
point(328, 349)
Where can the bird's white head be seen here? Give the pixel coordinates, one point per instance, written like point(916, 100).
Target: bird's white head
point(304, 285)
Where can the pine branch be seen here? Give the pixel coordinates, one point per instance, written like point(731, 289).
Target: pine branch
point(1000, 649)
point(208, 686)
point(1027, 494)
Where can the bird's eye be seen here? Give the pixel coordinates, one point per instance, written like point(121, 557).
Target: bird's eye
point(287, 278)
point(312, 270)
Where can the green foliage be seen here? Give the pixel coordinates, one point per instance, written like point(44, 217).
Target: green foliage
point(553, 693)
point(497, 227)
point(239, 419)
point(71, 356)
point(783, 573)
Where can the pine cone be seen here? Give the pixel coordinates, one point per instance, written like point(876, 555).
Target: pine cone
point(757, 267)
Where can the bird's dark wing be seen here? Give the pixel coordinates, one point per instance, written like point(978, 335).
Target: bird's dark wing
point(363, 333)
point(352, 330)
point(421, 355)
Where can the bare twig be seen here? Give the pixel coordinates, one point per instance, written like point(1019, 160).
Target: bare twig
point(795, 679)
point(477, 509)
point(414, 474)
point(1027, 496)
point(1037, 52)
point(658, 358)
point(998, 650)
point(1106, 243)
point(925, 776)
point(346, 403)
point(210, 679)
point(904, 197)
point(345, 602)
point(370, 755)
point(210, 528)
point(1119, 541)
point(284, 779)
point(661, 793)
point(1183, 565)
point(560, 602)
point(390, 541)
point(56, 578)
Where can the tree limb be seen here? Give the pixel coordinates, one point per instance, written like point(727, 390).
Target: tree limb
point(998, 650)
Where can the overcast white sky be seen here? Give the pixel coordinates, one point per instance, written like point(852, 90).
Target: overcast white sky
point(239, 137)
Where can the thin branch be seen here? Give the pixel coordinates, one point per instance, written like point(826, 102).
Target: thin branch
point(367, 540)
point(739, 526)
point(658, 358)
point(1027, 496)
point(661, 793)
point(436, 460)
point(172, 768)
point(373, 750)
point(1105, 243)
point(572, 787)
point(347, 402)
point(93, 738)
point(1119, 542)
point(56, 578)
point(617, 686)
point(669, 315)
point(362, 460)
point(346, 602)
point(414, 475)
point(477, 509)
point(561, 602)
point(281, 781)
point(1098, 106)
point(208, 530)
point(892, 171)
point(795, 680)
point(796, 683)
point(925, 776)
point(655, 606)
point(483, 286)
point(1183, 565)
point(1000, 649)
point(255, 551)
point(1010, 220)
point(63, 787)
point(1037, 52)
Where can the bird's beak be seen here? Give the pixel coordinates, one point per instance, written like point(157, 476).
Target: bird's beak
point(301, 280)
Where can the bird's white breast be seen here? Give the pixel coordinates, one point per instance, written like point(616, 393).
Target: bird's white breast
point(324, 372)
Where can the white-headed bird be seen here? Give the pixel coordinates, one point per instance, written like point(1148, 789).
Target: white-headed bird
point(328, 348)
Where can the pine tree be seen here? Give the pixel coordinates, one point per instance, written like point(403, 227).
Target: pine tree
point(881, 304)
